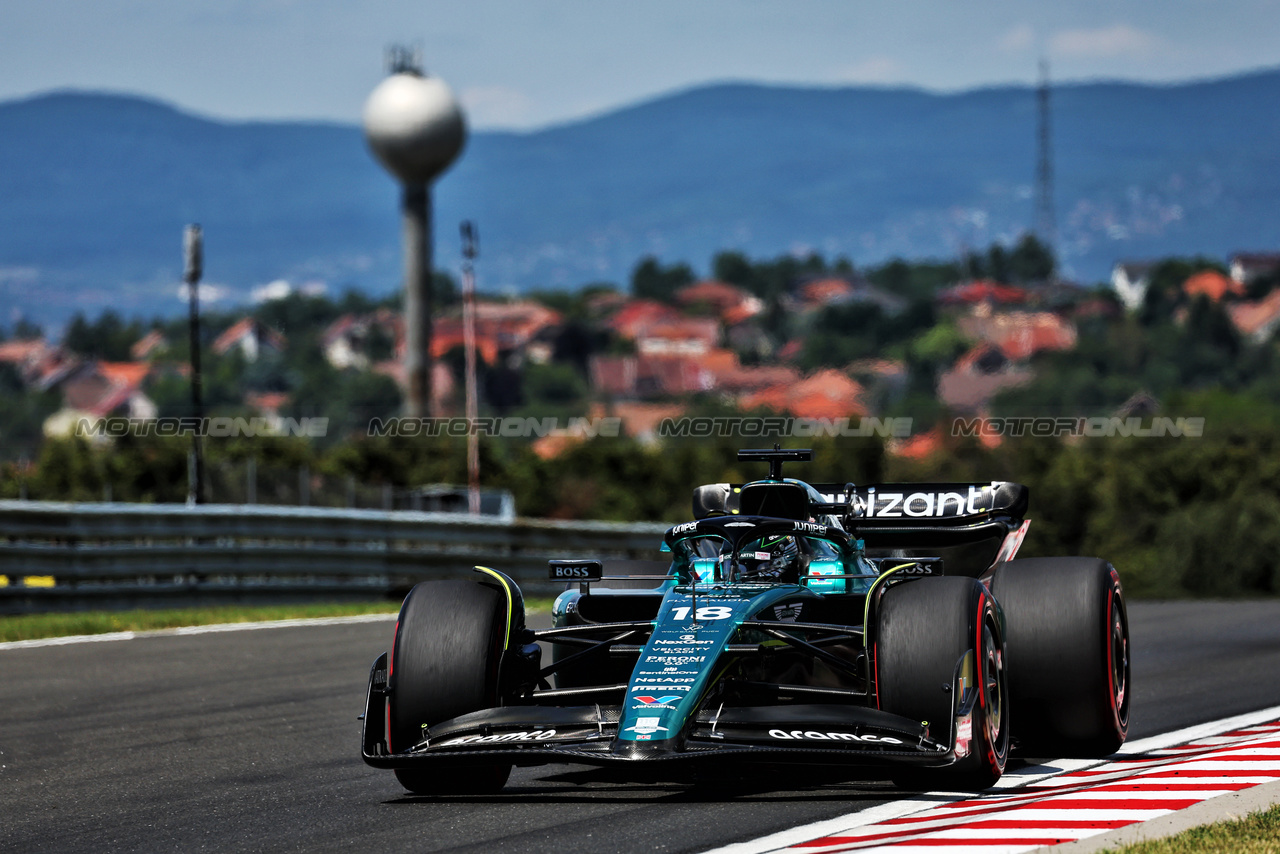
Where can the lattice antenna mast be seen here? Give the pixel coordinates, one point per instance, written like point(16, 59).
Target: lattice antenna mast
point(1046, 222)
point(404, 59)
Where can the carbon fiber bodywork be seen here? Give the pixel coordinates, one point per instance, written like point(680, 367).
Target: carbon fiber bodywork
point(708, 667)
point(820, 734)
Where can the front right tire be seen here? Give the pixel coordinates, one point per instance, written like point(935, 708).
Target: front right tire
point(444, 663)
point(924, 628)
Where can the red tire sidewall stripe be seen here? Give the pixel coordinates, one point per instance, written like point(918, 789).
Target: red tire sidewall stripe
point(980, 655)
point(1113, 602)
point(1111, 662)
point(875, 666)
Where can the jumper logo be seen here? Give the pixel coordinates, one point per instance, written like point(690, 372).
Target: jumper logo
point(685, 688)
point(512, 427)
point(811, 528)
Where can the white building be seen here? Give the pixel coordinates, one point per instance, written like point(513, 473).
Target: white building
point(1130, 279)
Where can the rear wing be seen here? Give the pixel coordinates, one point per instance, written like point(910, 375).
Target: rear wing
point(913, 516)
point(891, 505)
point(927, 505)
point(985, 519)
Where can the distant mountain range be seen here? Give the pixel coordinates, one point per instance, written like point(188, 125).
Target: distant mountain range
point(95, 188)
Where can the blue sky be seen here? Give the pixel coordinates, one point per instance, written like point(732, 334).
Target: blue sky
point(528, 63)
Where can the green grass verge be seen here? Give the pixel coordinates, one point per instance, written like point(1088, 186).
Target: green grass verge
point(1257, 833)
point(36, 626)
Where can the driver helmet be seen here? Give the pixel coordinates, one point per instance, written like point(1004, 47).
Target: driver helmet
point(773, 559)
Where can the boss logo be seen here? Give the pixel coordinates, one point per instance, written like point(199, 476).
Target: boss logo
point(916, 569)
point(575, 570)
point(570, 572)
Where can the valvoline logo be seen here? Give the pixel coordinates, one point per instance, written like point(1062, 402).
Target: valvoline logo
point(658, 701)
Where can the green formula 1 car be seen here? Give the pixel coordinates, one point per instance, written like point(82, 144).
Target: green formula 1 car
point(884, 629)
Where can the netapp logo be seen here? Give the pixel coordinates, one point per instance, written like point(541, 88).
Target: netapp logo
point(536, 735)
point(810, 735)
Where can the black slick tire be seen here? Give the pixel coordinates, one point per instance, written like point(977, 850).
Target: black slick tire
point(923, 630)
point(444, 663)
point(1068, 637)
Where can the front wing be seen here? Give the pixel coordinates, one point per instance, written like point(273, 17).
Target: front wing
point(816, 734)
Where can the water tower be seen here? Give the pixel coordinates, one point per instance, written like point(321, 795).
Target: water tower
point(415, 128)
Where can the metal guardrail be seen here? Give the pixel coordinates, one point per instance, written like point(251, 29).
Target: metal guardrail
point(131, 555)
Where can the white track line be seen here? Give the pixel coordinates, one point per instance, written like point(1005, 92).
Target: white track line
point(196, 630)
point(1024, 777)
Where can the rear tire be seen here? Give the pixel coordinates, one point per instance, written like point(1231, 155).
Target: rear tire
point(444, 663)
point(1068, 637)
point(923, 630)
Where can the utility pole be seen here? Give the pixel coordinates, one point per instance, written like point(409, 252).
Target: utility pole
point(193, 269)
point(471, 249)
point(1046, 222)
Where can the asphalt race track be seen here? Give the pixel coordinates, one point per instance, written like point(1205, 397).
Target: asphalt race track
point(248, 741)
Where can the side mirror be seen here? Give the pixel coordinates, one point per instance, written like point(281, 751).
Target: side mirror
point(714, 499)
